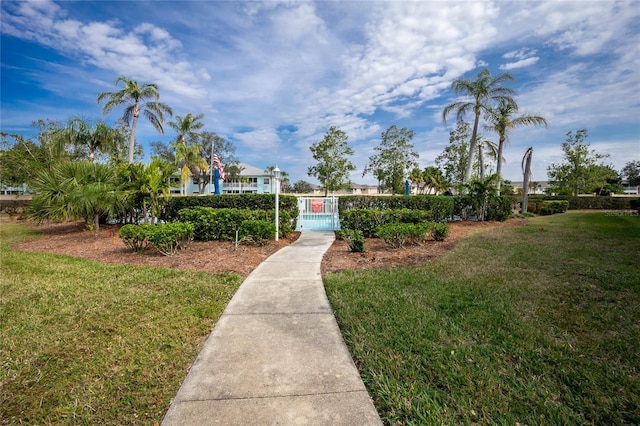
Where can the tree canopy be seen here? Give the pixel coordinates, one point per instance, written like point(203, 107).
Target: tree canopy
point(394, 159)
point(333, 166)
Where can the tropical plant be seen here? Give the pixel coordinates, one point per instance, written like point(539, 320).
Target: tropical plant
point(75, 190)
point(136, 99)
point(526, 177)
point(94, 138)
point(333, 166)
point(190, 162)
point(187, 127)
point(485, 91)
point(481, 192)
point(502, 121)
point(394, 159)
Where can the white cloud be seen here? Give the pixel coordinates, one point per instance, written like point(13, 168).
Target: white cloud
point(520, 64)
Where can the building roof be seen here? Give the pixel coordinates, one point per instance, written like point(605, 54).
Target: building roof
point(249, 170)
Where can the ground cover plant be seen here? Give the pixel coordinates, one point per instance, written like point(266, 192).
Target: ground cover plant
point(517, 325)
point(90, 343)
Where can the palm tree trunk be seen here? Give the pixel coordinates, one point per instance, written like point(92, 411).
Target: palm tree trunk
point(481, 161)
point(499, 165)
point(132, 137)
point(525, 180)
point(96, 224)
point(472, 148)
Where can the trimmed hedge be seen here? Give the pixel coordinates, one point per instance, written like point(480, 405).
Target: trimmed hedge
point(439, 208)
point(288, 203)
point(222, 224)
point(588, 203)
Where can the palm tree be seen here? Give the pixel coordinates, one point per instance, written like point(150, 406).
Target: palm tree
point(434, 180)
point(187, 127)
point(417, 178)
point(74, 190)
point(188, 156)
point(481, 191)
point(502, 122)
point(493, 152)
point(271, 171)
point(526, 176)
point(100, 137)
point(136, 98)
point(484, 91)
point(190, 162)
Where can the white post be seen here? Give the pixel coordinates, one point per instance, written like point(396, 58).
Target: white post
point(276, 176)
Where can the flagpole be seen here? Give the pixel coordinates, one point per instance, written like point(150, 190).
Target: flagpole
point(211, 170)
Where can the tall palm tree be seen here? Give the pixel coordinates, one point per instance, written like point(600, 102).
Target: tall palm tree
point(100, 137)
point(136, 99)
point(187, 127)
point(434, 180)
point(502, 121)
point(485, 91)
point(493, 152)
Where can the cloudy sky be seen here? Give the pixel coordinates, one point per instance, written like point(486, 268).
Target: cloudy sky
point(273, 76)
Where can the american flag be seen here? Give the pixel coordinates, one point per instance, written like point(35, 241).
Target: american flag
point(218, 164)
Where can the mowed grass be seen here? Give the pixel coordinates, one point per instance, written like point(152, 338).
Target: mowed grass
point(88, 343)
point(533, 325)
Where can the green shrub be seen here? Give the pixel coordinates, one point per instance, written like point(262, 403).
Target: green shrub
point(355, 238)
point(135, 237)
point(634, 204)
point(222, 224)
point(257, 231)
point(398, 235)
point(263, 202)
point(552, 207)
point(439, 207)
point(498, 208)
point(439, 231)
point(363, 220)
point(166, 237)
point(169, 237)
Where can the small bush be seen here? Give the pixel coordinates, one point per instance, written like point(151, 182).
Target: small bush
point(135, 237)
point(398, 235)
point(169, 237)
point(552, 207)
point(439, 231)
point(355, 238)
point(257, 231)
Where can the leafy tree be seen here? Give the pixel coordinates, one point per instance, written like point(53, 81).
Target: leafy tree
point(631, 173)
point(136, 99)
point(333, 166)
point(578, 172)
point(394, 158)
point(485, 91)
point(21, 159)
point(502, 121)
point(95, 138)
point(606, 180)
point(302, 187)
point(73, 190)
point(453, 159)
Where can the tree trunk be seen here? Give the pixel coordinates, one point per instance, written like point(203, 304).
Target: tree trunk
point(472, 148)
point(499, 165)
point(96, 223)
point(481, 161)
point(132, 136)
point(525, 180)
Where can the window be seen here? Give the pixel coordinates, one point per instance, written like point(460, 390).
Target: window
point(266, 181)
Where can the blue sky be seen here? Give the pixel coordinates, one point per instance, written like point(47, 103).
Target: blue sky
point(273, 76)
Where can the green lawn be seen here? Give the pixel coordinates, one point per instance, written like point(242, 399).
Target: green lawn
point(534, 325)
point(89, 343)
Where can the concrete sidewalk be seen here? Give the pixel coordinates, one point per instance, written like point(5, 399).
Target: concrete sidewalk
point(276, 355)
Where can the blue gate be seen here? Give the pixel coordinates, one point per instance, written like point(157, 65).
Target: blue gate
point(318, 214)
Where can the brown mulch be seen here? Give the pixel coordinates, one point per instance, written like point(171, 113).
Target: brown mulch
point(223, 256)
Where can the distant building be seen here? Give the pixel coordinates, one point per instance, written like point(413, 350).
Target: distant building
point(251, 180)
